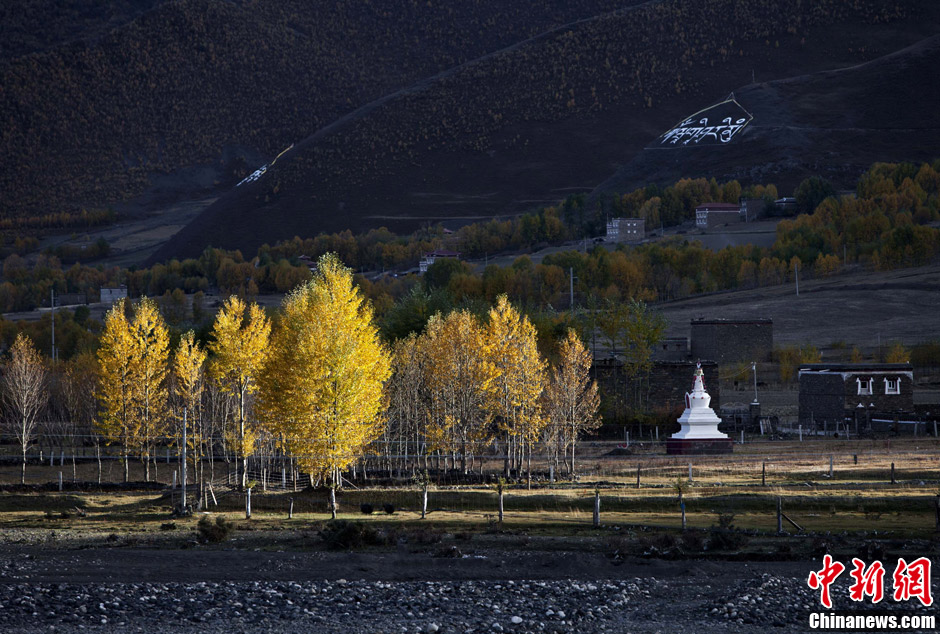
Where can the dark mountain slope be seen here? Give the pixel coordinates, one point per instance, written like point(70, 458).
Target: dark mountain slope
point(552, 116)
point(834, 124)
point(91, 121)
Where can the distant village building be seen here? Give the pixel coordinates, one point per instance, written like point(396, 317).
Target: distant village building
point(626, 229)
point(710, 215)
point(430, 258)
point(785, 205)
point(310, 263)
point(752, 208)
point(110, 295)
point(672, 349)
point(732, 340)
point(831, 393)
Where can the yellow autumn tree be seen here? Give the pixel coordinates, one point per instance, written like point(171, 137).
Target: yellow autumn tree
point(571, 399)
point(897, 353)
point(189, 371)
point(323, 387)
point(117, 422)
point(241, 336)
point(150, 364)
point(515, 391)
point(457, 374)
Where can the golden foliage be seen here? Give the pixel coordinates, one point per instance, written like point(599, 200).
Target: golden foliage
point(515, 391)
point(323, 385)
point(458, 375)
point(240, 347)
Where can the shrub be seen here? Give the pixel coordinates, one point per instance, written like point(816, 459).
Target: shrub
point(213, 532)
point(343, 535)
point(366, 509)
point(168, 526)
point(389, 509)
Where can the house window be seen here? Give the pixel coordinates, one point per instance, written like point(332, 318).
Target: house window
point(864, 386)
point(893, 386)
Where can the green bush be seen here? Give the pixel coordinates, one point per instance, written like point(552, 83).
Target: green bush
point(213, 532)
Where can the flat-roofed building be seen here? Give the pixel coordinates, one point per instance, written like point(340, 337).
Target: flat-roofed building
point(710, 215)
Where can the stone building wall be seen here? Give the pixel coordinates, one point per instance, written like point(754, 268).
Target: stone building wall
point(669, 381)
point(829, 393)
point(732, 341)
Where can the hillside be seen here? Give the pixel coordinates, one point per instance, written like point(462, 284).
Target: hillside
point(97, 99)
point(543, 119)
point(402, 113)
point(832, 124)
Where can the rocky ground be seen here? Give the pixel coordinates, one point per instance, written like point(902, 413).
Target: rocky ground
point(484, 589)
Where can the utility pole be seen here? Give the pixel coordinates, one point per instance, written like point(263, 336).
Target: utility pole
point(754, 369)
point(571, 286)
point(52, 305)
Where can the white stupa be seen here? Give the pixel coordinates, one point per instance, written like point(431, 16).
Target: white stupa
point(699, 432)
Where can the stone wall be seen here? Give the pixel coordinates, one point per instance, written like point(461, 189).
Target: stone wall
point(732, 341)
point(669, 381)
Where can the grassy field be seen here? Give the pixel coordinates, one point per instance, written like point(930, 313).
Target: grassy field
point(860, 497)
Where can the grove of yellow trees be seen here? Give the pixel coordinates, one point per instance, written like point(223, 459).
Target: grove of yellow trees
point(315, 382)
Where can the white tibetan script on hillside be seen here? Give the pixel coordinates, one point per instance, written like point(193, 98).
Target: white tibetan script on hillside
point(717, 124)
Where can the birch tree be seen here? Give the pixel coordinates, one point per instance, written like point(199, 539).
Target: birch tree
point(458, 376)
point(117, 421)
point(572, 399)
point(323, 387)
point(515, 391)
point(189, 370)
point(151, 347)
point(240, 347)
point(24, 393)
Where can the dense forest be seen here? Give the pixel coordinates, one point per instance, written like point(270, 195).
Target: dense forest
point(889, 222)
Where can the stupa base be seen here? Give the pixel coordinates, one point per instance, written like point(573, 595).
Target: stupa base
point(698, 446)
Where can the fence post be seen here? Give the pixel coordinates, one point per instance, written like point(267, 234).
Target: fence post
point(283, 478)
point(855, 458)
point(248, 503)
point(682, 507)
point(499, 489)
point(62, 457)
point(937, 503)
point(60, 481)
point(597, 508)
point(934, 433)
point(638, 476)
point(264, 479)
point(763, 474)
point(742, 436)
point(892, 474)
point(551, 474)
point(830, 466)
point(657, 433)
point(801, 433)
point(290, 509)
point(424, 501)
point(690, 472)
point(779, 516)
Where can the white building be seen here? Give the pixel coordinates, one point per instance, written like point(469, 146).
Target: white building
point(626, 230)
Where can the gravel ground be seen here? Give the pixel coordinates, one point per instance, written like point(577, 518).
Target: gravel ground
point(45, 589)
